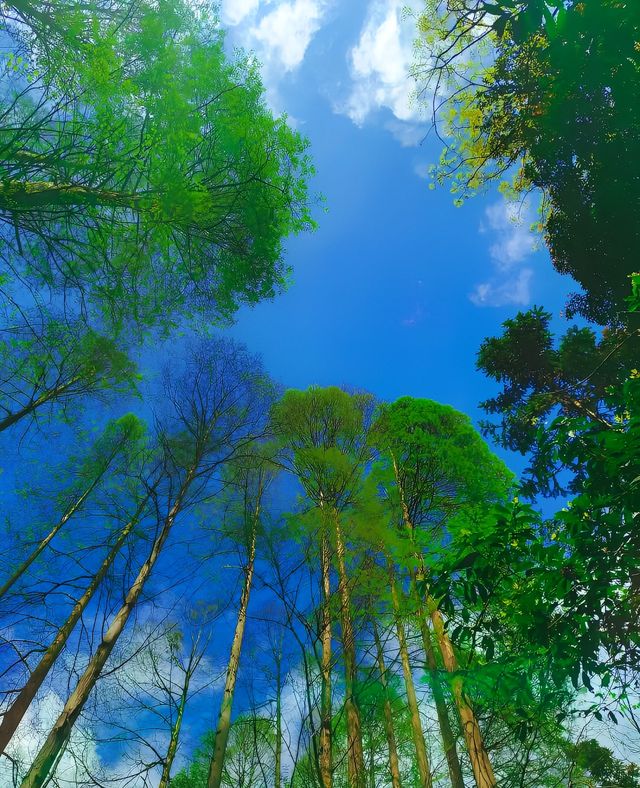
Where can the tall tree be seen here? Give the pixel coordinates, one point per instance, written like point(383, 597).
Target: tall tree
point(120, 440)
point(220, 405)
point(438, 465)
point(252, 480)
point(546, 92)
point(323, 432)
point(49, 362)
point(143, 198)
point(126, 431)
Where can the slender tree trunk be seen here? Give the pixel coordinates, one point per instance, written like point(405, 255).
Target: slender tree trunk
point(175, 734)
point(326, 767)
point(394, 765)
point(482, 769)
point(448, 738)
point(224, 720)
point(16, 711)
point(277, 780)
point(355, 752)
point(75, 506)
point(422, 758)
point(47, 396)
point(45, 759)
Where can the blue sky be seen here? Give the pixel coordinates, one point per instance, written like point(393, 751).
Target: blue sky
point(398, 287)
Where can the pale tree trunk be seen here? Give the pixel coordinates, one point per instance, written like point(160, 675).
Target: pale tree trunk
point(46, 758)
point(18, 708)
point(355, 752)
point(175, 733)
point(422, 759)
point(325, 762)
point(224, 719)
point(448, 738)
point(482, 769)
point(278, 760)
point(75, 506)
point(394, 765)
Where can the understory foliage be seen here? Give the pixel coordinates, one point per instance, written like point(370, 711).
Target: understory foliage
point(210, 580)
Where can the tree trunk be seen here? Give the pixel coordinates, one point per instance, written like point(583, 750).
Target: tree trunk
point(482, 769)
point(277, 780)
point(45, 759)
point(394, 765)
point(326, 767)
point(175, 734)
point(448, 739)
point(224, 720)
point(75, 506)
point(355, 752)
point(16, 711)
point(422, 758)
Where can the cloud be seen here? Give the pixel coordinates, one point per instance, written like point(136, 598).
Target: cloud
point(279, 35)
point(78, 760)
point(233, 12)
point(514, 243)
point(380, 63)
point(285, 33)
point(513, 290)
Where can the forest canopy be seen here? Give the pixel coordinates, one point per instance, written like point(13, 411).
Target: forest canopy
point(214, 577)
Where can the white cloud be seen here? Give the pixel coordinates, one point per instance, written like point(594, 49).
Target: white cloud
point(79, 753)
point(278, 32)
point(513, 290)
point(514, 242)
point(283, 35)
point(232, 12)
point(380, 64)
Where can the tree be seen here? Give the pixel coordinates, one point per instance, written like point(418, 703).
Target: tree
point(323, 432)
point(435, 465)
point(543, 378)
point(219, 405)
point(49, 362)
point(546, 91)
point(144, 198)
point(120, 440)
point(126, 436)
point(252, 480)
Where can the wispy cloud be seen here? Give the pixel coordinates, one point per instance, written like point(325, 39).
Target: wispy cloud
point(285, 33)
point(509, 224)
point(512, 290)
point(379, 66)
point(279, 32)
point(514, 240)
point(233, 12)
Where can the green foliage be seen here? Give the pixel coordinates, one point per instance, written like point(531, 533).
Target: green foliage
point(173, 194)
point(542, 378)
point(322, 432)
point(249, 751)
point(433, 464)
point(603, 767)
point(548, 92)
